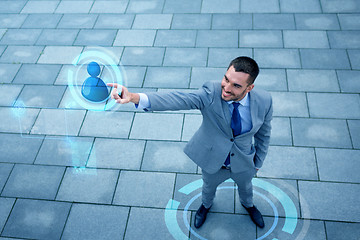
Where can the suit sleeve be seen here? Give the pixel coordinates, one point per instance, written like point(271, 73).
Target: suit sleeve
point(262, 138)
point(177, 100)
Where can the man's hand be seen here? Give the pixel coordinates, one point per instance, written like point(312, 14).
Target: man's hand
point(122, 95)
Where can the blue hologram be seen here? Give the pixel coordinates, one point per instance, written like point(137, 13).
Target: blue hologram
point(171, 222)
point(94, 89)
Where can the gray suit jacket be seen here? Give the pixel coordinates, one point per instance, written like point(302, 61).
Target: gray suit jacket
point(214, 140)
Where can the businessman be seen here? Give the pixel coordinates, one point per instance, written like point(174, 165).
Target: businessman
point(234, 136)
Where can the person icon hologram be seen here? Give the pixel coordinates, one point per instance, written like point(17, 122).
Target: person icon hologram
point(94, 89)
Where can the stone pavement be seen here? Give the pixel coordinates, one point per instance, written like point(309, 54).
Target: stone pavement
point(70, 173)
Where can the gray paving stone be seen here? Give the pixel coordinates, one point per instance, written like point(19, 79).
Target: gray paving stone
point(40, 96)
point(157, 126)
point(185, 6)
point(192, 57)
point(354, 59)
point(62, 78)
point(192, 123)
point(65, 151)
point(37, 219)
point(273, 21)
point(349, 21)
point(232, 21)
point(19, 149)
point(324, 59)
point(60, 54)
point(152, 21)
point(114, 21)
point(42, 20)
point(191, 21)
point(259, 6)
point(12, 20)
point(96, 37)
point(9, 94)
point(21, 54)
point(312, 80)
point(135, 38)
point(320, 133)
point(233, 224)
point(334, 105)
point(58, 122)
point(5, 208)
point(300, 6)
point(57, 37)
point(37, 74)
point(29, 181)
point(260, 38)
point(88, 185)
point(305, 39)
point(226, 6)
point(272, 80)
point(289, 104)
point(40, 7)
point(309, 229)
point(280, 132)
point(5, 170)
point(348, 81)
point(320, 197)
point(317, 21)
point(354, 127)
point(173, 77)
point(342, 231)
point(109, 6)
point(142, 6)
point(107, 124)
point(88, 221)
point(11, 6)
point(200, 75)
point(147, 189)
point(134, 76)
point(77, 21)
point(217, 38)
point(338, 165)
point(340, 6)
point(290, 162)
point(129, 154)
point(20, 36)
point(184, 179)
point(221, 57)
point(74, 7)
point(18, 120)
point(151, 221)
point(175, 38)
point(277, 58)
point(142, 56)
point(344, 39)
point(167, 156)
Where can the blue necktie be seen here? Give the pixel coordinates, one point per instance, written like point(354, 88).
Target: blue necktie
point(235, 125)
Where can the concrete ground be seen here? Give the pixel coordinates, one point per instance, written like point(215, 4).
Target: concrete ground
point(67, 172)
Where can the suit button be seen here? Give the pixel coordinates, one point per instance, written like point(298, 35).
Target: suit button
point(232, 139)
point(232, 154)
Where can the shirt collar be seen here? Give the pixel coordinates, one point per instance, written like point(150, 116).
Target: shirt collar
point(243, 102)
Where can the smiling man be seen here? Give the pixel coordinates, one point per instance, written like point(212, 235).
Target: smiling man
point(234, 136)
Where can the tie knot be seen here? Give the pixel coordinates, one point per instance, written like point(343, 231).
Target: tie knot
point(236, 105)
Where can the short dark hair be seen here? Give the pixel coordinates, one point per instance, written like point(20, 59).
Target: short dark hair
point(246, 65)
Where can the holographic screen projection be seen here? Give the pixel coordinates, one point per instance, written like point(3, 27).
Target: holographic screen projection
point(89, 93)
point(284, 205)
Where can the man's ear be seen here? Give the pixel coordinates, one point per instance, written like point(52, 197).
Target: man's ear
point(250, 87)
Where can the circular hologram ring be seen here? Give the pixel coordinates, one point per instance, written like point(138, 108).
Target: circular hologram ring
point(291, 217)
point(104, 58)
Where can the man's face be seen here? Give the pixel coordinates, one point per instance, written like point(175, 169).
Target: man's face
point(234, 85)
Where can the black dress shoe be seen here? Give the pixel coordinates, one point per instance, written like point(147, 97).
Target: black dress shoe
point(200, 216)
point(256, 216)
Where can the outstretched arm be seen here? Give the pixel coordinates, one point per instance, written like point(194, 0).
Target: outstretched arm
point(122, 95)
